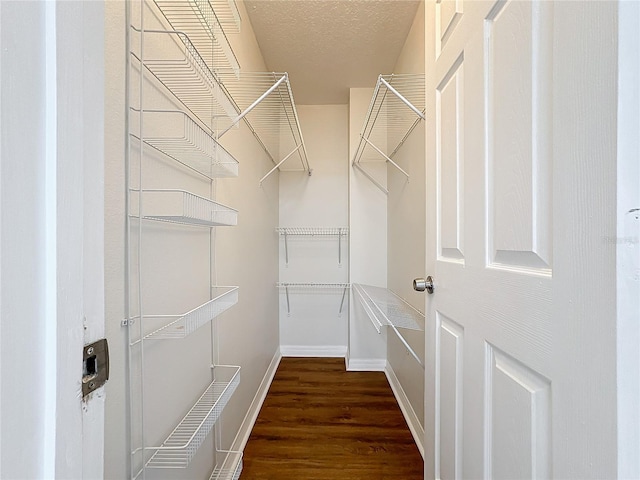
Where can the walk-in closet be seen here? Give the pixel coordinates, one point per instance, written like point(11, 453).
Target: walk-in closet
point(342, 239)
point(257, 227)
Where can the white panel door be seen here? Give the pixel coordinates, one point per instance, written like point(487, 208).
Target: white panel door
point(498, 377)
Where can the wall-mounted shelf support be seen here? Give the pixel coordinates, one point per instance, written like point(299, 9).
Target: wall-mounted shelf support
point(314, 286)
point(388, 159)
point(280, 163)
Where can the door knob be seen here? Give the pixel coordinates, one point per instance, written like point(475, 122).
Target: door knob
point(422, 284)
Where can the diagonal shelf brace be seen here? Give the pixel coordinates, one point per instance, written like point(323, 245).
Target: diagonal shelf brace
point(402, 98)
point(280, 163)
point(259, 100)
point(370, 177)
point(286, 291)
point(344, 294)
point(386, 157)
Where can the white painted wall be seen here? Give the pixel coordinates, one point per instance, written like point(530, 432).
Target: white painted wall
point(406, 228)
point(314, 325)
point(176, 274)
point(367, 241)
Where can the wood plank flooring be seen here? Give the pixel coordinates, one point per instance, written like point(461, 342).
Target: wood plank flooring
point(319, 421)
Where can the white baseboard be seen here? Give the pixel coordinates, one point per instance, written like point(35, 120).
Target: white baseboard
point(313, 351)
point(407, 410)
point(366, 364)
point(242, 437)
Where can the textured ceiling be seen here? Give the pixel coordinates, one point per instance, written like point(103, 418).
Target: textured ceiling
point(328, 46)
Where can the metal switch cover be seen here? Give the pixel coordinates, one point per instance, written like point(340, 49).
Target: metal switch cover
point(95, 366)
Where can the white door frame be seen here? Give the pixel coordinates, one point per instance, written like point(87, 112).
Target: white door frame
point(51, 224)
point(628, 240)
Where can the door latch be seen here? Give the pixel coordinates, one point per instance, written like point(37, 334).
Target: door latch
point(95, 366)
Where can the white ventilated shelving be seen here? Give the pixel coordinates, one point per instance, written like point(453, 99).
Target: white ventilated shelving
point(310, 287)
point(182, 207)
point(187, 437)
point(180, 326)
point(176, 64)
point(199, 21)
point(338, 232)
point(397, 107)
point(386, 309)
point(229, 468)
point(266, 103)
point(313, 231)
point(227, 14)
point(174, 134)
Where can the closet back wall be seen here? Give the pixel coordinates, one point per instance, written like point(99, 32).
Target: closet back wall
point(314, 326)
point(245, 254)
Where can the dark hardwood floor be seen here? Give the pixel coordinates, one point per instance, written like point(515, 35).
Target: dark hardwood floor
point(319, 421)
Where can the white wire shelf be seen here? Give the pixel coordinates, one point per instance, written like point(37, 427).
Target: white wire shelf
point(310, 287)
point(228, 15)
point(312, 232)
point(268, 109)
point(185, 440)
point(177, 65)
point(180, 326)
point(185, 208)
point(198, 20)
point(397, 107)
point(385, 308)
point(175, 134)
point(230, 468)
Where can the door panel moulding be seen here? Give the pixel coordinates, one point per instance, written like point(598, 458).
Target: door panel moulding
point(397, 107)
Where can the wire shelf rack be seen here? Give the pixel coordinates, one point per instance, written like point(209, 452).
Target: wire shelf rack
point(390, 309)
point(228, 15)
point(313, 231)
point(186, 208)
point(385, 308)
point(268, 109)
point(199, 21)
point(175, 134)
point(312, 285)
point(185, 440)
point(397, 107)
point(230, 468)
point(176, 64)
point(180, 326)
